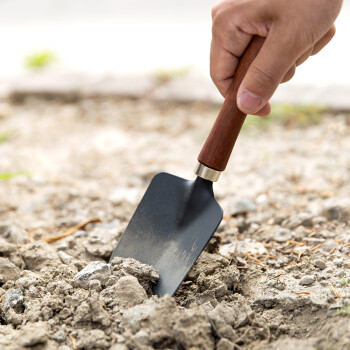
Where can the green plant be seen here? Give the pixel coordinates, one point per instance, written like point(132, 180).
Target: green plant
point(40, 59)
point(289, 116)
point(344, 282)
point(5, 135)
point(8, 176)
point(164, 75)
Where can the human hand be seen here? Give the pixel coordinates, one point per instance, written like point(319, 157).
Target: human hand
point(294, 30)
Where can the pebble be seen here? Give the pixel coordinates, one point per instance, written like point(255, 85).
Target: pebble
point(95, 270)
point(8, 270)
point(65, 258)
point(80, 233)
point(338, 262)
point(59, 336)
point(337, 212)
point(283, 235)
point(320, 264)
point(13, 299)
point(32, 334)
point(301, 219)
point(307, 280)
point(243, 206)
point(128, 292)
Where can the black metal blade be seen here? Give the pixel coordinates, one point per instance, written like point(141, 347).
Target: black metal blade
point(170, 228)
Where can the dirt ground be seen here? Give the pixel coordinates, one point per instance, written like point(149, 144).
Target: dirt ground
point(274, 276)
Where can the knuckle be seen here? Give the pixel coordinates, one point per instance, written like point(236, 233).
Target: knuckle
point(263, 77)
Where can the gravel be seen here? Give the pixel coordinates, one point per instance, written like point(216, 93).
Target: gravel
point(264, 281)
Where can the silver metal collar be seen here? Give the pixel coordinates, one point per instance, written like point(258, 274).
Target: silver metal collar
point(207, 173)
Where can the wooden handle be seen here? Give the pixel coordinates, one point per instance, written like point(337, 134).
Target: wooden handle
point(218, 147)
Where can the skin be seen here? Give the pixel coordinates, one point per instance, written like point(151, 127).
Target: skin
point(294, 30)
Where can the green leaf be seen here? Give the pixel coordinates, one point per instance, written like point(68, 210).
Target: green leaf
point(7, 176)
point(5, 135)
point(40, 59)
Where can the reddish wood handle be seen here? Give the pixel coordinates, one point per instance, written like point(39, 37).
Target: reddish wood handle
point(218, 147)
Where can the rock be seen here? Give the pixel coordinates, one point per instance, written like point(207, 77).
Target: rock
point(301, 219)
point(59, 336)
point(146, 275)
point(192, 330)
point(243, 206)
point(13, 233)
point(338, 262)
point(32, 334)
point(39, 254)
point(283, 235)
point(65, 258)
point(245, 246)
point(225, 344)
point(13, 298)
point(80, 233)
point(128, 292)
point(319, 263)
point(96, 270)
point(329, 246)
point(93, 339)
point(338, 212)
point(8, 271)
point(307, 280)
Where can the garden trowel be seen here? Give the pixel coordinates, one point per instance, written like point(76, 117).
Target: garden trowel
point(176, 217)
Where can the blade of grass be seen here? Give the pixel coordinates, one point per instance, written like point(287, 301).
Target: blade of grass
point(8, 176)
point(5, 135)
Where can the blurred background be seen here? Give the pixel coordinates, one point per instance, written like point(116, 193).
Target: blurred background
point(133, 36)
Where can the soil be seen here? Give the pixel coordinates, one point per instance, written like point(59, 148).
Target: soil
point(275, 275)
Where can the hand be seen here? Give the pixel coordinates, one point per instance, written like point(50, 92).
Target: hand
point(294, 30)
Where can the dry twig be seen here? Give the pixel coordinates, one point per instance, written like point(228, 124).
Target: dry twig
point(70, 231)
point(336, 293)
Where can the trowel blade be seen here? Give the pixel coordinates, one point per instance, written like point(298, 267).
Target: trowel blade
point(170, 228)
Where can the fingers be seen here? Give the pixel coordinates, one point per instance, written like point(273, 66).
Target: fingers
point(289, 75)
point(227, 45)
point(324, 41)
point(267, 71)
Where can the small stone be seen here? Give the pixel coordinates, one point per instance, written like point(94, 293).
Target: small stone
point(128, 292)
point(283, 235)
point(307, 280)
point(319, 263)
point(39, 254)
point(329, 246)
point(243, 206)
point(93, 339)
point(12, 233)
point(225, 344)
point(65, 258)
point(94, 270)
point(80, 233)
point(32, 334)
point(13, 299)
point(338, 262)
point(95, 285)
point(8, 270)
point(338, 212)
point(59, 336)
point(301, 219)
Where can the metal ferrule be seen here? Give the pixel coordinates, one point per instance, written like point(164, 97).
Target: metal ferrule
point(207, 173)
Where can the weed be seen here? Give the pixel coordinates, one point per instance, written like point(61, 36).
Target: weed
point(289, 116)
point(5, 135)
point(344, 282)
point(165, 75)
point(8, 176)
point(39, 60)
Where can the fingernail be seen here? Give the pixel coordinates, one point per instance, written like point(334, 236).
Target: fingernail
point(249, 102)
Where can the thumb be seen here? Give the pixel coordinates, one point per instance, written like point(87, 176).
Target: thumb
point(266, 72)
